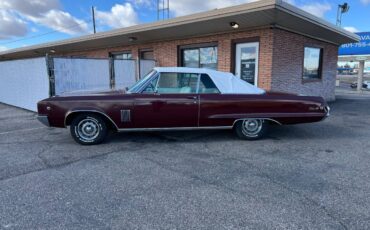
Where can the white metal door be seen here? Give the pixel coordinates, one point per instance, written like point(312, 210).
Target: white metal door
point(124, 73)
point(246, 62)
point(75, 74)
point(146, 66)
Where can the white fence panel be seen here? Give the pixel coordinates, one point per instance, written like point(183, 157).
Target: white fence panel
point(24, 82)
point(73, 74)
point(124, 73)
point(145, 67)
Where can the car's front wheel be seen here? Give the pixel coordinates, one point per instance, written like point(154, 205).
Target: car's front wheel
point(88, 129)
point(251, 129)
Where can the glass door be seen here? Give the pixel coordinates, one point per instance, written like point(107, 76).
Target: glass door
point(246, 62)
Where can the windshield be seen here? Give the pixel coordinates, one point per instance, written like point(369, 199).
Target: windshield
point(138, 85)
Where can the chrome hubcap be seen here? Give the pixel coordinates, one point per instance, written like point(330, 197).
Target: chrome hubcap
point(252, 127)
point(88, 129)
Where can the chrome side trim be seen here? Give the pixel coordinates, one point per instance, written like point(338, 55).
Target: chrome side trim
point(268, 119)
point(88, 111)
point(174, 129)
point(189, 128)
point(44, 120)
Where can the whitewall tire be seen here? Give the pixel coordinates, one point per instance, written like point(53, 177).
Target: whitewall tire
point(251, 129)
point(88, 129)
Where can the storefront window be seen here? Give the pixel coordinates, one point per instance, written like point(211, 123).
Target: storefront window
point(208, 57)
point(147, 55)
point(191, 58)
point(123, 55)
point(312, 63)
point(199, 57)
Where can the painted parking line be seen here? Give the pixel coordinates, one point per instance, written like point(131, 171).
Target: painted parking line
point(21, 130)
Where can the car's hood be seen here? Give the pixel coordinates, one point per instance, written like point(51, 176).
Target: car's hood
point(92, 93)
point(276, 93)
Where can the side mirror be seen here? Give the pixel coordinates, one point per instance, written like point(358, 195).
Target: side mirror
point(126, 88)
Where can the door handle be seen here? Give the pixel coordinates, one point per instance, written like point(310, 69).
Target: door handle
point(192, 97)
point(195, 99)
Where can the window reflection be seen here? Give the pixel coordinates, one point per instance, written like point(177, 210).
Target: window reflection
point(208, 57)
point(203, 57)
point(191, 58)
point(312, 63)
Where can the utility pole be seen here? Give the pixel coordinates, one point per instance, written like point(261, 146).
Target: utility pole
point(93, 18)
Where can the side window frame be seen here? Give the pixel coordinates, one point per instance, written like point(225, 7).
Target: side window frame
point(198, 83)
point(158, 75)
point(199, 78)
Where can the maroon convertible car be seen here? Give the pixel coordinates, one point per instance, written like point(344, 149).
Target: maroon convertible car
point(179, 99)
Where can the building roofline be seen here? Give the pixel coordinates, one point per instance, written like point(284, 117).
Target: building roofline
point(310, 17)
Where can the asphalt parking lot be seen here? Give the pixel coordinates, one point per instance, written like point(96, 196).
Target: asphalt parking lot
point(312, 176)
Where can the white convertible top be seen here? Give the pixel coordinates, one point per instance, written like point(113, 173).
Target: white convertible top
point(227, 83)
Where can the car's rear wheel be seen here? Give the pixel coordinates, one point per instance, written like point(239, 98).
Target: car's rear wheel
point(88, 129)
point(251, 129)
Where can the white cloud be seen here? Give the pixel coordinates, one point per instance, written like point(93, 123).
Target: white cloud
point(185, 7)
point(61, 21)
point(143, 3)
point(11, 25)
point(3, 48)
point(119, 16)
point(351, 29)
point(365, 2)
point(317, 9)
point(47, 13)
point(33, 8)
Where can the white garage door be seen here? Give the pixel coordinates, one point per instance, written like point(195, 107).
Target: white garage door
point(24, 82)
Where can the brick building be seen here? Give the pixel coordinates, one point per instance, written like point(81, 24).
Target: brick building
point(269, 43)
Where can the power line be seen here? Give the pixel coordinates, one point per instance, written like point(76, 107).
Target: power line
point(44, 34)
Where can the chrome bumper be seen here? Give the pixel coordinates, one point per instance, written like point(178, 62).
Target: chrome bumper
point(44, 120)
point(327, 110)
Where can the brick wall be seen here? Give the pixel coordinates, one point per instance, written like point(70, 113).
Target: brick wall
point(287, 68)
point(280, 58)
point(165, 53)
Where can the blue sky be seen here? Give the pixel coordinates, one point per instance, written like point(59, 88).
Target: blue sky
point(26, 22)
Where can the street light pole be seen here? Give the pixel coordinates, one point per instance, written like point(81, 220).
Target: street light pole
point(344, 8)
